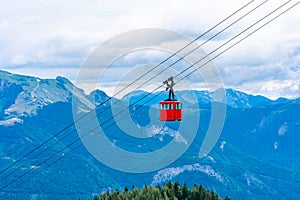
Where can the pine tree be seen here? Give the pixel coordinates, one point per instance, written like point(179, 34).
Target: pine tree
point(201, 193)
point(114, 195)
point(185, 191)
point(213, 197)
point(158, 187)
point(170, 185)
point(177, 190)
point(193, 195)
point(165, 196)
point(126, 189)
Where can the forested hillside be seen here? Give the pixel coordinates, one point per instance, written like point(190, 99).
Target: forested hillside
point(172, 191)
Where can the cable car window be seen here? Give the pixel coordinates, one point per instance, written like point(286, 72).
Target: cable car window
point(161, 107)
point(178, 106)
point(172, 107)
point(166, 106)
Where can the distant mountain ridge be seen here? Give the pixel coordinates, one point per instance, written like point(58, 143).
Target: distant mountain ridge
point(233, 98)
point(24, 95)
point(27, 93)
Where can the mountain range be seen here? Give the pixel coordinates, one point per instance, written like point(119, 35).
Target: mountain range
point(256, 156)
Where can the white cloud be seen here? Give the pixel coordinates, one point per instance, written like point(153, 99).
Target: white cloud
point(49, 35)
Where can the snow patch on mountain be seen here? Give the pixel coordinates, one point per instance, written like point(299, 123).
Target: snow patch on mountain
point(262, 122)
point(210, 158)
point(283, 129)
point(180, 139)
point(33, 97)
point(34, 167)
point(169, 173)
point(5, 158)
point(10, 122)
point(276, 144)
point(160, 132)
point(222, 145)
point(188, 97)
point(28, 139)
point(253, 181)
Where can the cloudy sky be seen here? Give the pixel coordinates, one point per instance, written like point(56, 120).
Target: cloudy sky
point(51, 37)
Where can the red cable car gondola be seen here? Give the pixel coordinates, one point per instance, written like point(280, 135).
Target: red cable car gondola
point(170, 109)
